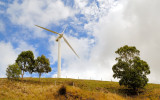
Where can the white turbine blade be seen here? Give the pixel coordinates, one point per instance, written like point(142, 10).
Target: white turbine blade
point(70, 46)
point(64, 29)
point(47, 29)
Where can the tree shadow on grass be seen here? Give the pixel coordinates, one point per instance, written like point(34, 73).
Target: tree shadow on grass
point(130, 92)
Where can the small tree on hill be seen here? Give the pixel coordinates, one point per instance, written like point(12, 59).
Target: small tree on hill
point(42, 65)
point(13, 72)
point(25, 61)
point(130, 69)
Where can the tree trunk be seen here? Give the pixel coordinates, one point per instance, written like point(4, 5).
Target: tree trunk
point(23, 70)
point(39, 76)
point(22, 74)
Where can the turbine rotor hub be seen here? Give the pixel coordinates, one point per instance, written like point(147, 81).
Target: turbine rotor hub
point(59, 37)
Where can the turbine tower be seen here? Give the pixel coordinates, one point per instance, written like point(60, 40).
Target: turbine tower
point(58, 39)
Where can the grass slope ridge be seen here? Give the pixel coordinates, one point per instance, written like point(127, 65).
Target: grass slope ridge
point(47, 89)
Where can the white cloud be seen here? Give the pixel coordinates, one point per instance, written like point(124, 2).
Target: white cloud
point(39, 12)
point(23, 46)
point(2, 27)
point(9, 54)
point(31, 12)
point(91, 10)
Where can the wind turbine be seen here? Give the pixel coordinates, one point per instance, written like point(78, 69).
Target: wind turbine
point(58, 39)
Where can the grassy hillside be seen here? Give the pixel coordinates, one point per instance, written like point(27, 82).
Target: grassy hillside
point(47, 89)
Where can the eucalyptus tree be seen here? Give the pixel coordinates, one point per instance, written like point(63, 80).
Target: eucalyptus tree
point(130, 69)
point(42, 65)
point(25, 61)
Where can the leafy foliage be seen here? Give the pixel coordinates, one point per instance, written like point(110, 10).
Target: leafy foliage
point(42, 65)
point(130, 69)
point(13, 72)
point(25, 61)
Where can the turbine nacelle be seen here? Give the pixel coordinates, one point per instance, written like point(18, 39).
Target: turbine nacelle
point(59, 37)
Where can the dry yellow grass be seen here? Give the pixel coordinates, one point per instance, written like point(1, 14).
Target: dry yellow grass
point(75, 91)
point(32, 89)
point(13, 90)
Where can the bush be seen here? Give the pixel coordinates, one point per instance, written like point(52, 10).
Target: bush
point(62, 90)
point(13, 72)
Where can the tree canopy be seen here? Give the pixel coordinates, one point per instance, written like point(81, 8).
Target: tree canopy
point(130, 69)
point(25, 61)
point(42, 65)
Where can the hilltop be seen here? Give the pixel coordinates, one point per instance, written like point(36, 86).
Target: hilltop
point(76, 89)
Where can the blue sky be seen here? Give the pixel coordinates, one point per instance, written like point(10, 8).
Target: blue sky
point(95, 29)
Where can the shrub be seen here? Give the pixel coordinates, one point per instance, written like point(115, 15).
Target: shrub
point(13, 72)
